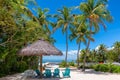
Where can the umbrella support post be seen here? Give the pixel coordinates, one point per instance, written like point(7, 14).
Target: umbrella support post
point(41, 66)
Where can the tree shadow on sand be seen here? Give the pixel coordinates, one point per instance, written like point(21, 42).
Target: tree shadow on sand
point(44, 78)
point(91, 71)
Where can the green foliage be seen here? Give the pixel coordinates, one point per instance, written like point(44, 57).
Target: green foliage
point(115, 69)
point(107, 68)
point(116, 51)
point(18, 28)
point(72, 63)
point(101, 55)
point(96, 13)
point(102, 67)
point(111, 56)
point(22, 66)
point(63, 64)
point(64, 21)
point(91, 57)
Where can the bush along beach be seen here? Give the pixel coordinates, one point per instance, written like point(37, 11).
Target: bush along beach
point(107, 68)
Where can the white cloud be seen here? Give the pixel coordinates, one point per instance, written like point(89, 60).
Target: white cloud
point(110, 48)
point(71, 52)
point(72, 55)
point(97, 47)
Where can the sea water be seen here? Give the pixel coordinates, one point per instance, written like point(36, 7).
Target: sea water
point(57, 60)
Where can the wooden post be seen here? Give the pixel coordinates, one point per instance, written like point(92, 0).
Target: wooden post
point(41, 66)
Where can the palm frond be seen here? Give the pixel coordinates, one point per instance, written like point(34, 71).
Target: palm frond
point(84, 8)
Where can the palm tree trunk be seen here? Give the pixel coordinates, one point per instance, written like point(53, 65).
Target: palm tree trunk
point(87, 48)
point(84, 61)
point(66, 46)
point(78, 54)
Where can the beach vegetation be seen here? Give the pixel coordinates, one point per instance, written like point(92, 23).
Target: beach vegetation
point(101, 55)
point(64, 21)
point(63, 64)
point(107, 68)
point(70, 64)
point(20, 26)
point(95, 14)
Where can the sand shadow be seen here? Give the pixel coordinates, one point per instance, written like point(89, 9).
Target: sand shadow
point(91, 71)
point(52, 78)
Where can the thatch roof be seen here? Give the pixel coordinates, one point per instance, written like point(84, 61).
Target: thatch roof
point(38, 48)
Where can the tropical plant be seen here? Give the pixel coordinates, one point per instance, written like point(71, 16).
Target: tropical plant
point(107, 68)
point(116, 48)
point(102, 52)
point(94, 13)
point(93, 56)
point(82, 53)
point(111, 56)
point(64, 20)
point(18, 28)
point(80, 34)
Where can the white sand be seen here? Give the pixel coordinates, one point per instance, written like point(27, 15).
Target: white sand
point(75, 75)
point(92, 75)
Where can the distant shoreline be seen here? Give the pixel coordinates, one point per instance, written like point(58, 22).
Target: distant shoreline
point(56, 61)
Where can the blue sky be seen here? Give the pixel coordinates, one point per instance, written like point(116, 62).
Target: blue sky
point(108, 38)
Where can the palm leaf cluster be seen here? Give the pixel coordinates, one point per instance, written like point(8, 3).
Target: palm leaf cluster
point(83, 26)
point(103, 54)
point(20, 27)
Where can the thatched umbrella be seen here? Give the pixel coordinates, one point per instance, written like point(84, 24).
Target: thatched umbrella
point(40, 48)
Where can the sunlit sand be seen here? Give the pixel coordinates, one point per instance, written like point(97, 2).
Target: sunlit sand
point(89, 74)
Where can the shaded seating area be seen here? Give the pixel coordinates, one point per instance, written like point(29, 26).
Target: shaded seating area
point(66, 73)
point(47, 73)
point(40, 48)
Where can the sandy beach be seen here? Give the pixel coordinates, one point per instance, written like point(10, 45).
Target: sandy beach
point(89, 74)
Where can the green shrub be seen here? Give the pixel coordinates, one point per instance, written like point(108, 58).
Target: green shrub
point(71, 63)
point(101, 67)
point(63, 64)
point(22, 66)
point(104, 68)
point(96, 67)
point(115, 69)
point(4, 69)
point(107, 68)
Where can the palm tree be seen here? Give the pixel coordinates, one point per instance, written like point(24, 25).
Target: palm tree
point(116, 46)
point(95, 13)
point(101, 52)
point(93, 56)
point(79, 33)
point(42, 18)
point(64, 20)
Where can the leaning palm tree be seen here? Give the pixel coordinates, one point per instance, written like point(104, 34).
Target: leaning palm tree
point(64, 20)
point(95, 13)
point(80, 34)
